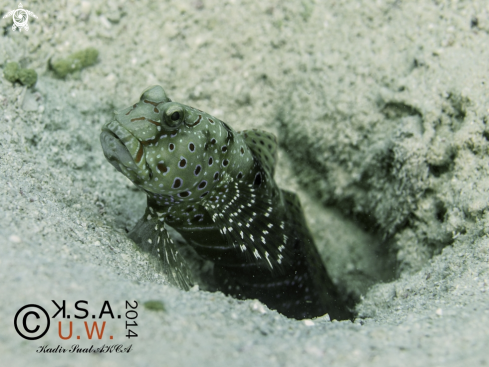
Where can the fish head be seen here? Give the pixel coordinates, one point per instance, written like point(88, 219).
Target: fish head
point(172, 151)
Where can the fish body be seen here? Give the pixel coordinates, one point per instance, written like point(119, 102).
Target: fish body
point(215, 187)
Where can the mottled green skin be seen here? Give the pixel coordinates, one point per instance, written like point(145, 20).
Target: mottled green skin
point(215, 187)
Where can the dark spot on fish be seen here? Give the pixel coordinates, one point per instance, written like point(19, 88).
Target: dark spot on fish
point(184, 194)
point(162, 167)
point(197, 170)
point(242, 151)
point(132, 109)
point(269, 146)
point(177, 183)
point(225, 162)
point(224, 149)
point(138, 119)
point(216, 176)
point(210, 161)
point(183, 163)
point(171, 147)
point(257, 181)
point(156, 110)
point(154, 122)
point(262, 142)
point(152, 103)
point(239, 176)
point(191, 147)
point(213, 141)
point(202, 185)
point(204, 194)
point(197, 121)
point(149, 141)
point(211, 121)
point(190, 209)
point(253, 141)
point(139, 155)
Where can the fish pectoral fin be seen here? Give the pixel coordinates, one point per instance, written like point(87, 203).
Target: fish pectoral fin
point(151, 236)
point(253, 223)
point(264, 146)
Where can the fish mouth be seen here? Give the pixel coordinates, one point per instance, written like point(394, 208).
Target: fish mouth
point(124, 151)
point(114, 149)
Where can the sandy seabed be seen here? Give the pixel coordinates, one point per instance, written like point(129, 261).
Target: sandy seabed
point(381, 108)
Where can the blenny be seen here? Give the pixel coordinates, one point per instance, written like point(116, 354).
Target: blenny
point(215, 187)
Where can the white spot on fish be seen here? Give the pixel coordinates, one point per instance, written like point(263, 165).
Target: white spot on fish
point(266, 257)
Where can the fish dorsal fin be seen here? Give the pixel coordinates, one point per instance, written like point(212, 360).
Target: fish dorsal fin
point(252, 223)
point(151, 236)
point(264, 147)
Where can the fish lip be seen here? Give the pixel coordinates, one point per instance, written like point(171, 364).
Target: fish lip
point(105, 137)
point(106, 132)
point(109, 131)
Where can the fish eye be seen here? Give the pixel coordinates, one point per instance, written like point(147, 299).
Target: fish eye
point(173, 114)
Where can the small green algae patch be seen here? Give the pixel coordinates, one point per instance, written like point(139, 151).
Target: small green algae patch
point(10, 71)
point(75, 62)
point(154, 306)
point(27, 77)
point(14, 73)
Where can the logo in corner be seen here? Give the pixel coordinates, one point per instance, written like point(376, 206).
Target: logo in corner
point(20, 17)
